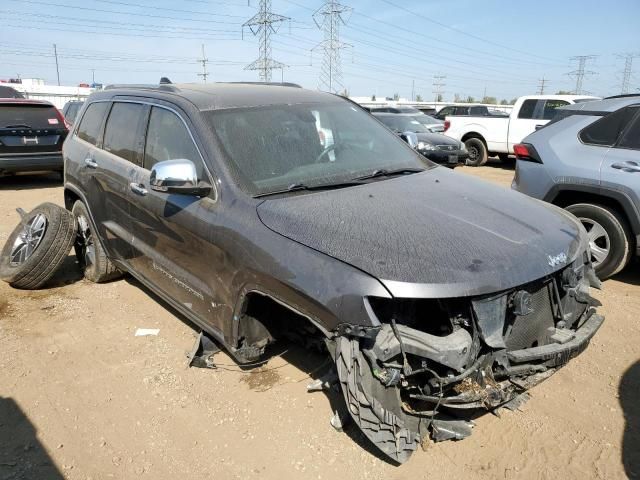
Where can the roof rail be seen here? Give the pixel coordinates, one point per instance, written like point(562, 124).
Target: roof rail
point(165, 87)
point(626, 95)
point(273, 84)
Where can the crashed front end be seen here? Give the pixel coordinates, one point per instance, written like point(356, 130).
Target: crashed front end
point(432, 362)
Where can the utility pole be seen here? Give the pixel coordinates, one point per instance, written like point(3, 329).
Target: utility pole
point(438, 85)
point(55, 52)
point(626, 73)
point(204, 61)
point(580, 73)
point(328, 18)
point(413, 90)
point(543, 81)
point(262, 24)
point(93, 76)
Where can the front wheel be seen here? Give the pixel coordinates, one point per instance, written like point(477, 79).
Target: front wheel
point(477, 152)
point(91, 256)
point(609, 237)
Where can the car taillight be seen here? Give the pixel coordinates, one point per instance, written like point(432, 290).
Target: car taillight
point(525, 151)
point(447, 124)
point(62, 119)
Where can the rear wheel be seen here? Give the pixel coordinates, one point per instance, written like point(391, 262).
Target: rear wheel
point(89, 252)
point(609, 237)
point(477, 152)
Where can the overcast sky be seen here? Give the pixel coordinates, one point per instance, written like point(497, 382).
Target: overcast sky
point(505, 47)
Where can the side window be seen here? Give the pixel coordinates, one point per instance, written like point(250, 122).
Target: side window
point(444, 112)
point(478, 111)
point(527, 109)
point(631, 137)
point(121, 135)
point(605, 131)
point(89, 129)
point(169, 139)
point(550, 108)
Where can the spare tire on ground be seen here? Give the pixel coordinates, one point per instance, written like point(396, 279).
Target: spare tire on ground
point(37, 246)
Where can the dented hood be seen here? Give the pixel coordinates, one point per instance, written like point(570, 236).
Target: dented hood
point(433, 234)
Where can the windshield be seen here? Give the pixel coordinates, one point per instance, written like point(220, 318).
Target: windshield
point(270, 149)
point(401, 123)
point(427, 120)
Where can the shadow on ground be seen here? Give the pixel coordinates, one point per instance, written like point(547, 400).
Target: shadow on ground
point(22, 456)
point(30, 181)
point(629, 393)
point(630, 275)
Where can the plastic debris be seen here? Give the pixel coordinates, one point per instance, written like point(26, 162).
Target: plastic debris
point(144, 332)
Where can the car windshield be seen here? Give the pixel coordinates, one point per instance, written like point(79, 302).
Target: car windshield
point(403, 123)
point(274, 148)
point(427, 120)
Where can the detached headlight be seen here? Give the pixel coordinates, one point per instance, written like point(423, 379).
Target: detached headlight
point(426, 146)
point(463, 147)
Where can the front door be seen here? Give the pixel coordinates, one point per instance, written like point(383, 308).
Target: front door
point(172, 245)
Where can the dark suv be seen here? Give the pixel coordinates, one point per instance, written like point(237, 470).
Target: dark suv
point(31, 136)
point(265, 212)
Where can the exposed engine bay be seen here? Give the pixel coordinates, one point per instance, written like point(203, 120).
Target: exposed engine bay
point(432, 362)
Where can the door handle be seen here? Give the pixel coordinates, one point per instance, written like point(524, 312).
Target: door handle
point(629, 167)
point(138, 188)
point(90, 162)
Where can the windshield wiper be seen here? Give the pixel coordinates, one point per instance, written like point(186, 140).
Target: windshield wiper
point(383, 172)
point(295, 187)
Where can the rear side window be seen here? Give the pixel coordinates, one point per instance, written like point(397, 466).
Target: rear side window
point(169, 139)
point(121, 134)
point(89, 129)
point(29, 116)
point(605, 132)
point(481, 111)
point(631, 137)
point(550, 108)
point(527, 109)
point(72, 111)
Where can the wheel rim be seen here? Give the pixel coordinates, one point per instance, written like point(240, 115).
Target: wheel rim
point(473, 153)
point(28, 240)
point(85, 242)
point(599, 241)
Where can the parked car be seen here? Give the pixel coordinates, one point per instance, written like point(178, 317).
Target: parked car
point(433, 292)
point(433, 124)
point(435, 146)
point(463, 111)
point(487, 135)
point(71, 110)
point(31, 136)
point(9, 92)
point(395, 109)
point(588, 161)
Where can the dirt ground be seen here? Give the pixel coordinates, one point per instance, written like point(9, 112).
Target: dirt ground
point(82, 398)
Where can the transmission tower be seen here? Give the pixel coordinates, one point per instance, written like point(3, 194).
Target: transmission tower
point(262, 24)
point(203, 61)
point(626, 73)
point(438, 86)
point(580, 73)
point(328, 18)
point(543, 81)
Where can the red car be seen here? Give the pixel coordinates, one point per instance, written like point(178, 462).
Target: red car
point(31, 136)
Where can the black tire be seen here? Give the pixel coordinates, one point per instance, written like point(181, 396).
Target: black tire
point(92, 258)
point(375, 409)
point(477, 152)
point(505, 158)
point(37, 247)
point(617, 231)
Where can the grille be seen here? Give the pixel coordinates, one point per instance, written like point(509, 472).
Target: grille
point(531, 330)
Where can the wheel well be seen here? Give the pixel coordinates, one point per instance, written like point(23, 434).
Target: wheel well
point(469, 135)
point(263, 321)
point(566, 198)
point(70, 198)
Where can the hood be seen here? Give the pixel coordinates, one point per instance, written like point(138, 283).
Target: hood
point(437, 139)
point(432, 234)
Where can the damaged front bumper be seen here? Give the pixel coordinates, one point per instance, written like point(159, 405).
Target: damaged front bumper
point(431, 362)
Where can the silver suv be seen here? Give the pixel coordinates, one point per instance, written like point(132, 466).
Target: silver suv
point(587, 160)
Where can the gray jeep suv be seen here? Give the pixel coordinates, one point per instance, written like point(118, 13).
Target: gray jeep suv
point(265, 212)
point(587, 160)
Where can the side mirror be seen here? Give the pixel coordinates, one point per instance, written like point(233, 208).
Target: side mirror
point(179, 177)
point(411, 138)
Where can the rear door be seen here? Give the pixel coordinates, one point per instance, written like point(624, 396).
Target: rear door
point(173, 247)
point(28, 128)
point(621, 165)
point(111, 168)
point(533, 113)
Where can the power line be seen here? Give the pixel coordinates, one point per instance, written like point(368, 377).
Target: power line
point(438, 86)
point(204, 61)
point(262, 24)
point(329, 18)
point(543, 81)
point(580, 73)
point(626, 73)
